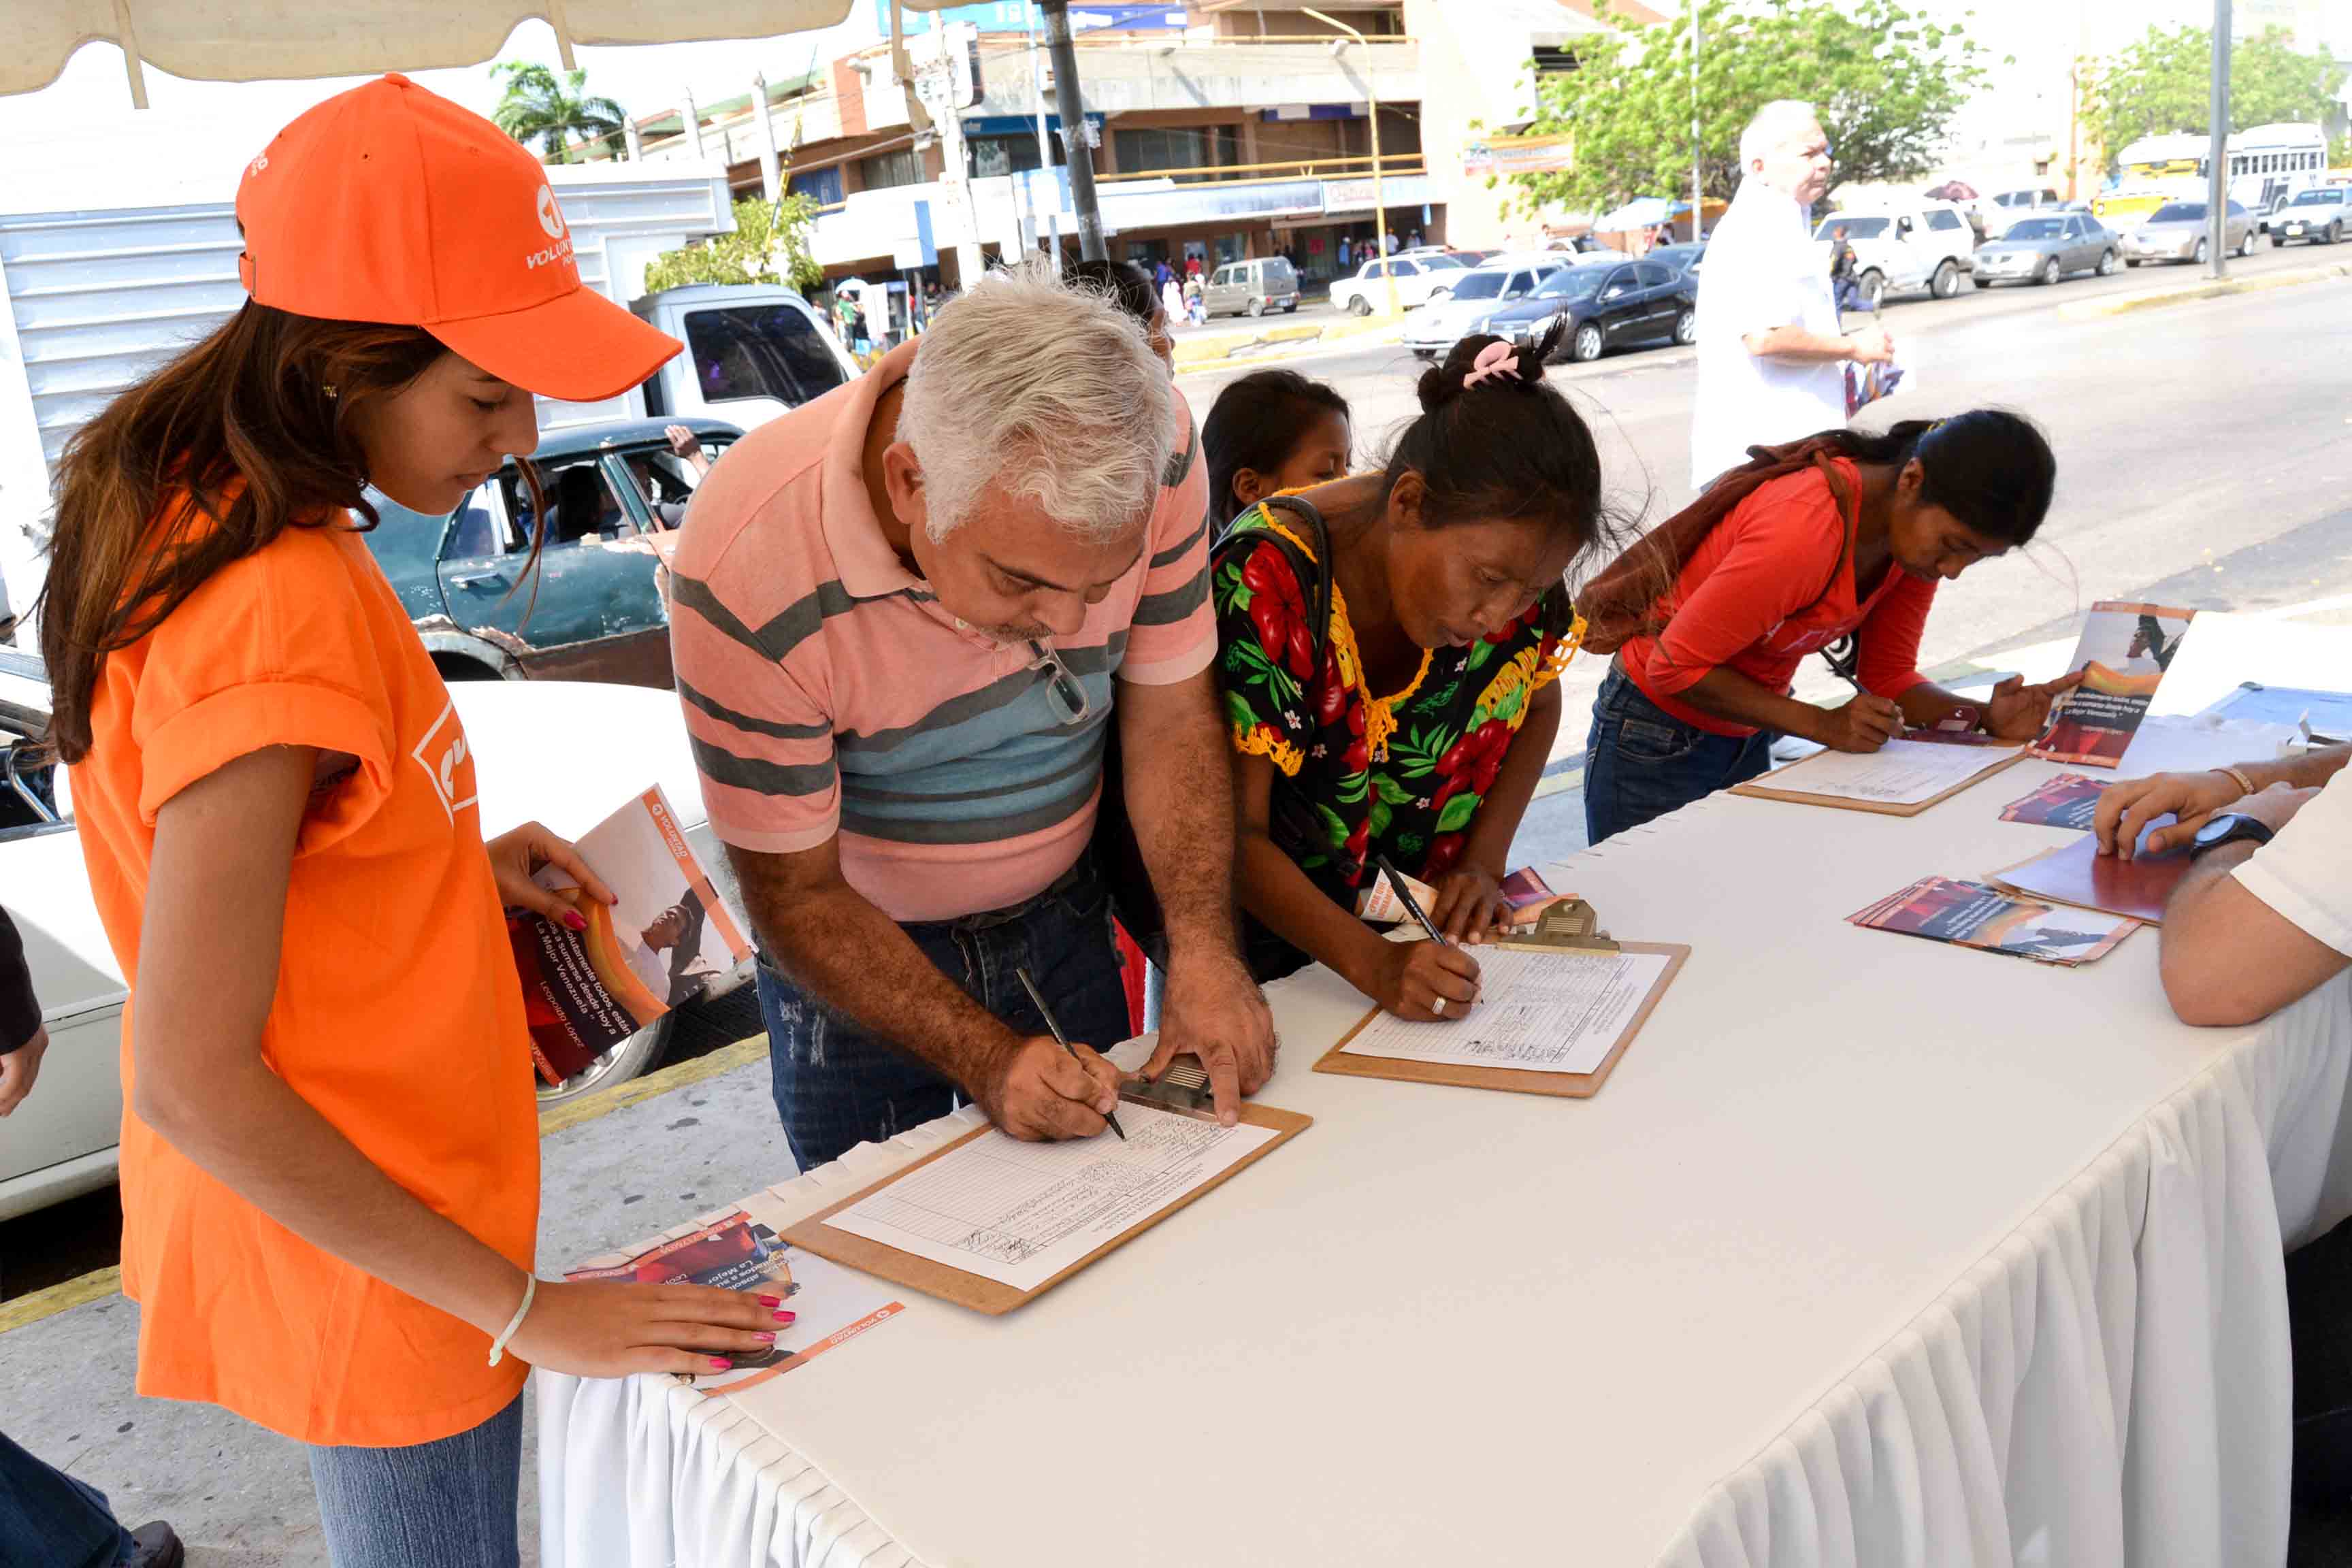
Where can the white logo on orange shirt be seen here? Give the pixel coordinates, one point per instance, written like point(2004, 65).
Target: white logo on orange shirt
point(444, 757)
point(551, 216)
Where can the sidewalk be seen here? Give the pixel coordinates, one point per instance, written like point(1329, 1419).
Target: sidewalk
point(1198, 348)
point(679, 1143)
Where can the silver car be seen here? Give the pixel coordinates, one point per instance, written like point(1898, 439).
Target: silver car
point(2319, 215)
point(2176, 232)
point(2044, 248)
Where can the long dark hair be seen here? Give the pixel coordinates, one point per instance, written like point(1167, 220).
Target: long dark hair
point(1990, 468)
point(204, 463)
point(1508, 447)
point(1256, 422)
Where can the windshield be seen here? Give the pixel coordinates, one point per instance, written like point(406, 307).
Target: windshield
point(1855, 227)
point(2179, 212)
point(2037, 229)
point(1480, 286)
point(1435, 263)
point(2320, 198)
point(1572, 283)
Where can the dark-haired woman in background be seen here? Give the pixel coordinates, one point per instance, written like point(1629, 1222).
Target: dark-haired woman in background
point(1272, 430)
point(1851, 539)
point(1415, 721)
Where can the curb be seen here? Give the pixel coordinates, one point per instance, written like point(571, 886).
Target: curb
point(2182, 294)
point(101, 1283)
point(1200, 354)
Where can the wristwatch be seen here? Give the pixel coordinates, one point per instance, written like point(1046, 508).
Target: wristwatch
point(2229, 827)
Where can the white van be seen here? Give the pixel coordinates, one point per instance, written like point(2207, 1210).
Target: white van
point(1920, 247)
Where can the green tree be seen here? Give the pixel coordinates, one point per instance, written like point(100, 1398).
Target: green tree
point(769, 244)
point(554, 112)
point(1887, 81)
point(2162, 83)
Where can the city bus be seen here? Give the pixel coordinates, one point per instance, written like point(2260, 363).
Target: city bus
point(2268, 164)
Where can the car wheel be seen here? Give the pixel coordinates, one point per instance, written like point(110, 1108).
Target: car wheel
point(2106, 263)
point(1873, 292)
point(2049, 272)
point(1359, 306)
point(1254, 308)
point(1291, 308)
point(633, 1058)
point(2335, 233)
point(1585, 347)
point(2246, 245)
point(1947, 281)
point(2204, 249)
point(1686, 328)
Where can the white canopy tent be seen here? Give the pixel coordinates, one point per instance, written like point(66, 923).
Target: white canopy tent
point(257, 40)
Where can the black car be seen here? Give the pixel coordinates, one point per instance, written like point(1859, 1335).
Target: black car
point(1606, 307)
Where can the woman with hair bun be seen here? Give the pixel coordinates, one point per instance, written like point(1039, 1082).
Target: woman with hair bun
point(1843, 533)
point(1388, 644)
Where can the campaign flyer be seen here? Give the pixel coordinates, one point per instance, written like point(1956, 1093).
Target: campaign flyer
point(735, 1252)
point(1969, 914)
point(2068, 800)
point(2123, 654)
point(586, 991)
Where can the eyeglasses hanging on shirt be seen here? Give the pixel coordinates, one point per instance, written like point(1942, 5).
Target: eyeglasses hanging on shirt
point(1066, 691)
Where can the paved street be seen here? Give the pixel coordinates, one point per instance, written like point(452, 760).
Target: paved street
point(2205, 453)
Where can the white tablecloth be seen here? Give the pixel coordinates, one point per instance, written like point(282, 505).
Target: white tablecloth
point(1873, 1250)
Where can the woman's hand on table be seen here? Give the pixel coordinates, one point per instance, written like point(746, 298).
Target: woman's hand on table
point(2016, 711)
point(517, 855)
point(1416, 976)
point(1469, 904)
point(1862, 724)
point(2128, 805)
point(598, 1327)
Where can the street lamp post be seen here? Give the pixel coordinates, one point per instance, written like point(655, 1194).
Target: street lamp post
point(1698, 187)
point(1380, 208)
point(2216, 149)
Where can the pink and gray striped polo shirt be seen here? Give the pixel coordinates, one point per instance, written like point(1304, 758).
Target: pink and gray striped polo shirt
point(827, 693)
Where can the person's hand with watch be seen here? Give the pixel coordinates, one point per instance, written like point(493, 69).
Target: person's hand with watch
point(2255, 819)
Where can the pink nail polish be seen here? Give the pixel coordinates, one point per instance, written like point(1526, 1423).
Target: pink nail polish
point(771, 1301)
point(573, 918)
point(788, 1316)
point(764, 1337)
point(720, 1363)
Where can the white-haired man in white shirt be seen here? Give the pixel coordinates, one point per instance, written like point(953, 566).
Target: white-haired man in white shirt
point(1771, 352)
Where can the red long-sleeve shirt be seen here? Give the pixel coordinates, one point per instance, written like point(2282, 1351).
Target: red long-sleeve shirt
point(1751, 598)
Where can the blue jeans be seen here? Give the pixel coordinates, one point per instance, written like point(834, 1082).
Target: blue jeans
point(1642, 762)
point(838, 1084)
point(445, 1504)
point(49, 1520)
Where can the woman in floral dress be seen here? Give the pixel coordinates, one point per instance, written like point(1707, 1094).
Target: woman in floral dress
point(1415, 722)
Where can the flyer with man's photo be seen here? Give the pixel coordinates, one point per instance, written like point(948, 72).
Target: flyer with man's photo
point(666, 937)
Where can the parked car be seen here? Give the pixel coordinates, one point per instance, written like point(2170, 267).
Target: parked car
point(1253, 288)
point(1420, 277)
point(594, 611)
point(1923, 247)
point(566, 753)
point(1684, 257)
point(1644, 302)
point(2045, 248)
point(1482, 291)
point(2177, 232)
point(2316, 216)
point(1584, 244)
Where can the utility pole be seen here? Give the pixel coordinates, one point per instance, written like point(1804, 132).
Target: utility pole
point(1698, 183)
point(2217, 150)
point(1380, 207)
point(1077, 136)
point(771, 173)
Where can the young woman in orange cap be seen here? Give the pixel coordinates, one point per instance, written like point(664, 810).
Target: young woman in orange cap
point(331, 1149)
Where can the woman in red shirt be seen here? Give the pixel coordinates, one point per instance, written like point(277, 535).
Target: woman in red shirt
point(1853, 542)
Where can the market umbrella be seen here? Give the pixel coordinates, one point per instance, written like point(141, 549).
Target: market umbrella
point(1643, 212)
point(1953, 191)
point(254, 41)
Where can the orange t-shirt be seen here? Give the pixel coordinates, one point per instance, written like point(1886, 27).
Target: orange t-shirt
point(398, 1015)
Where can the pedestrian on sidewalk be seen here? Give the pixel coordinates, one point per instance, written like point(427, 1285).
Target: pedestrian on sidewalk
point(1171, 298)
point(329, 1167)
point(1843, 282)
point(1772, 354)
point(1845, 533)
point(1196, 300)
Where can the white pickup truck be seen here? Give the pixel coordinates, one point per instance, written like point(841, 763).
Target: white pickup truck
point(1922, 246)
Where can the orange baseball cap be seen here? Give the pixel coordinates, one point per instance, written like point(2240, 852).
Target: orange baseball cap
point(391, 204)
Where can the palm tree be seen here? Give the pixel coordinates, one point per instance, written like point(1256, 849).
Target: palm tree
point(538, 107)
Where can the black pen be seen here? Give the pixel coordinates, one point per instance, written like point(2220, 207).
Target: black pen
point(1404, 897)
point(1047, 1013)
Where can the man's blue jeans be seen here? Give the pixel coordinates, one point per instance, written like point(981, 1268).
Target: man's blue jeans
point(1641, 762)
point(838, 1085)
point(49, 1520)
point(445, 1504)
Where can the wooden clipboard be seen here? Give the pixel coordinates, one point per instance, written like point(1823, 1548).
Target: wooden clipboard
point(1514, 1080)
point(976, 1292)
point(1760, 789)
